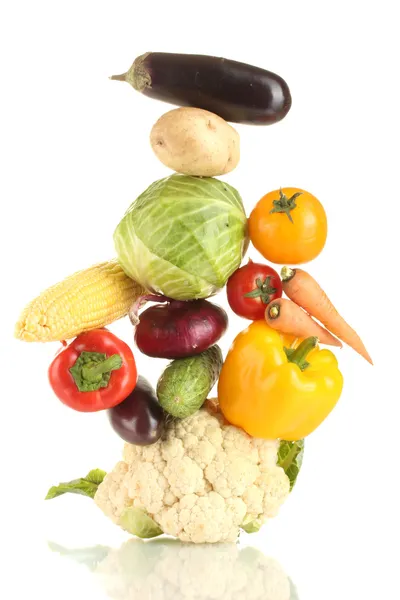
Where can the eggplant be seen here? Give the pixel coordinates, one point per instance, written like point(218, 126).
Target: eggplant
point(139, 419)
point(235, 91)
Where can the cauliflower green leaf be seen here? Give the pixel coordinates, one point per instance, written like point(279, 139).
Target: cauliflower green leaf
point(85, 486)
point(96, 476)
point(290, 458)
point(137, 522)
point(90, 557)
point(251, 525)
point(293, 591)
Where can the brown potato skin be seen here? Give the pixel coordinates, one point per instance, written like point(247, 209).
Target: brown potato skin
point(195, 142)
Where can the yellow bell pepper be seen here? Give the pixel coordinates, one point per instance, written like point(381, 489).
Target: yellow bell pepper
point(278, 387)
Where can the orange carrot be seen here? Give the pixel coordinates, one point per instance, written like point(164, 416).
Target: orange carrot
point(302, 288)
point(285, 316)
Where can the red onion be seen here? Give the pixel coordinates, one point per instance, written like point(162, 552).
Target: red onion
point(177, 328)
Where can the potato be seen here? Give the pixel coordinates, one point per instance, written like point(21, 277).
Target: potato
point(194, 141)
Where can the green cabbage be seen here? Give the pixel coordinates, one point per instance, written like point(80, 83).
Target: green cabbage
point(183, 237)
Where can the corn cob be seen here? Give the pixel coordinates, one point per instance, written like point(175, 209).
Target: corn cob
point(91, 298)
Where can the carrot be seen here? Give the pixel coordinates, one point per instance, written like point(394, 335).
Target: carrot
point(302, 288)
point(285, 316)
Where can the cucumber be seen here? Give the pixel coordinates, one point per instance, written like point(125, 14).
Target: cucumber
point(186, 382)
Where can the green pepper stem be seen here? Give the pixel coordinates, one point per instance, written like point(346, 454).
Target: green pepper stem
point(299, 355)
point(91, 373)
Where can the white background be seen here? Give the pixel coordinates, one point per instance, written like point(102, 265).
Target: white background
point(75, 153)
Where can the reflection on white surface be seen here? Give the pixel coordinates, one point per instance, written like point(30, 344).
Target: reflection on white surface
point(169, 569)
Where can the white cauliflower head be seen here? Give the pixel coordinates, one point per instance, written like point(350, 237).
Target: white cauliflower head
point(200, 482)
point(175, 571)
point(165, 569)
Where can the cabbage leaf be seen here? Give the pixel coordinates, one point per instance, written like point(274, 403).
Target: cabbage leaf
point(183, 237)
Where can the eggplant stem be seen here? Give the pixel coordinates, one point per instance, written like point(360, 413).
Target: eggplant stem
point(121, 77)
point(137, 75)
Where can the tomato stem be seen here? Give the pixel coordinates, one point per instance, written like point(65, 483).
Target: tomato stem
point(298, 356)
point(285, 204)
point(264, 290)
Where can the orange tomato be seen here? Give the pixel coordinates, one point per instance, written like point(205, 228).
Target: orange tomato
point(288, 226)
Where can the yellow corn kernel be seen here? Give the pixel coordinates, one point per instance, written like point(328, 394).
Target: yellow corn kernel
point(91, 298)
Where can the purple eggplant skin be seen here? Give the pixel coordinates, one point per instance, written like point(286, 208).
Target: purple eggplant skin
point(235, 91)
point(139, 419)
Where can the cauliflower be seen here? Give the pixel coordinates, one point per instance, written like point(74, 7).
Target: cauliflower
point(200, 482)
point(180, 572)
point(169, 569)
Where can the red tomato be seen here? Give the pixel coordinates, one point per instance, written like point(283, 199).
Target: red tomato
point(94, 372)
point(251, 288)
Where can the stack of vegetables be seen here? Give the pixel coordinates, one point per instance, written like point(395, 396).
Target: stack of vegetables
point(194, 468)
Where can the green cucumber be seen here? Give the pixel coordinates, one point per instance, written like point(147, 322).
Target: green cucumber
point(186, 382)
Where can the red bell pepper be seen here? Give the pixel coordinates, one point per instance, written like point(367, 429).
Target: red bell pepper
point(94, 372)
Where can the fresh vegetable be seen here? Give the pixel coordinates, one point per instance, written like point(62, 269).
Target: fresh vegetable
point(233, 90)
point(137, 522)
point(285, 316)
point(177, 329)
point(195, 469)
point(94, 372)
point(251, 288)
point(293, 591)
point(251, 525)
point(278, 387)
point(86, 300)
point(193, 141)
point(290, 458)
point(167, 569)
point(288, 226)
point(302, 289)
point(200, 482)
point(185, 384)
point(139, 419)
point(183, 237)
point(86, 486)
point(91, 557)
